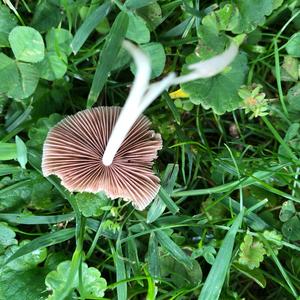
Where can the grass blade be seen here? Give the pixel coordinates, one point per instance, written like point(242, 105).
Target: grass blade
point(89, 24)
point(172, 107)
point(168, 182)
point(251, 219)
point(21, 184)
point(153, 259)
point(280, 139)
point(165, 197)
point(32, 220)
point(8, 169)
point(216, 277)
point(76, 261)
point(175, 251)
point(281, 269)
point(234, 185)
point(121, 271)
point(107, 56)
point(8, 151)
point(255, 275)
point(45, 240)
point(95, 224)
point(18, 121)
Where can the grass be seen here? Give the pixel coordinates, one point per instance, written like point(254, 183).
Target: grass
point(223, 177)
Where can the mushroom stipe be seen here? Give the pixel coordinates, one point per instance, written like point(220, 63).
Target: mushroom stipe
point(74, 148)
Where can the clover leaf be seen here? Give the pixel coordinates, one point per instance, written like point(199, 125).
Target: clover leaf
point(7, 22)
point(137, 30)
point(28, 78)
point(59, 40)
point(291, 229)
point(293, 45)
point(27, 44)
point(53, 66)
point(287, 211)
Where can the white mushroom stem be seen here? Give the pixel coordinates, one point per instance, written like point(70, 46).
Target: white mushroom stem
point(130, 111)
point(155, 89)
point(209, 67)
point(142, 94)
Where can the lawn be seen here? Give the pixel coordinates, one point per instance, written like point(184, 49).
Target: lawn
point(197, 195)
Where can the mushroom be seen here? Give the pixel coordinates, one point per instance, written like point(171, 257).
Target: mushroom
point(74, 150)
point(112, 149)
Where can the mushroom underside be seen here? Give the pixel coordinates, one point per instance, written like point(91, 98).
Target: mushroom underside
point(74, 148)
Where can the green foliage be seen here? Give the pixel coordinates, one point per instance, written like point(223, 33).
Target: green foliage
point(254, 101)
point(27, 44)
point(7, 23)
point(20, 79)
point(252, 13)
point(256, 274)
point(251, 252)
point(22, 277)
point(275, 241)
point(225, 223)
point(21, 152)
point(215, 279)
point(91, 284)
point(91, 21)
point(38, 133)
point(55, 63)
point(293, 44)
point(92, 205)
point(168, 182)
point(7, 237)
point(289, 69)
point(59, 40)
point(27, 188)
point(107, 57)
point(220, 91)
point(287, 211)
point(293, 97)
point(241, 16)
point(291, 229)
point(8, 151)
point(179, 274)
point(208, 252)
point(292, 138)
point(157, 56)
point(53, 67)
point(8, 71)
point(46, 15)
point(137, 30)
point(150, 11)
point(27, 81)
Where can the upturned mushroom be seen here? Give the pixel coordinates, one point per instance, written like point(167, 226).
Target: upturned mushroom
point(112, 149)
point(74, 150)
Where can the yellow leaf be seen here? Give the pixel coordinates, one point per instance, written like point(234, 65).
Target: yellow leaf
point(178, 94)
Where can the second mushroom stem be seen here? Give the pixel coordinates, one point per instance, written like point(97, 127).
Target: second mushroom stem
point(142, 94)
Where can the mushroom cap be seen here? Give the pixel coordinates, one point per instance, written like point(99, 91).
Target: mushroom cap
point(74, 148)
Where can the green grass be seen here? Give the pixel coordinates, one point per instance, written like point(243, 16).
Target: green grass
point(229, 166)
